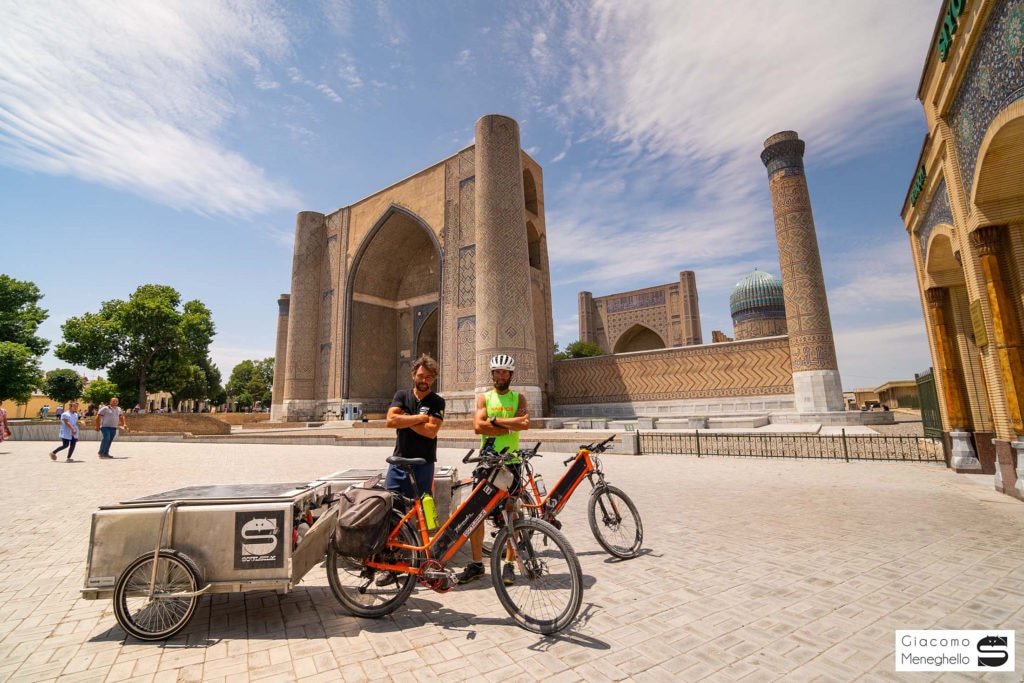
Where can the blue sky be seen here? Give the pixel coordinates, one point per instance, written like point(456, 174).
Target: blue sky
point(174, 142)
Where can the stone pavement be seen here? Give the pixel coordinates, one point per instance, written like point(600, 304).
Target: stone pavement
point(753, 570)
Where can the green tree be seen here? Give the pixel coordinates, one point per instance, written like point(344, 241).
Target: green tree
point(252, 382)
point(63, 385)
point(99, 391)
point(146, 342)
point(200, 382)
point(578, 349)
point(19, 372)
point(20, 314)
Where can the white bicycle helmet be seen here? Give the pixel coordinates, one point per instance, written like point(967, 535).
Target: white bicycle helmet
point(503, 362)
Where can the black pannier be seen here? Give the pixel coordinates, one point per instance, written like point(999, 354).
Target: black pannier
point(363, 521)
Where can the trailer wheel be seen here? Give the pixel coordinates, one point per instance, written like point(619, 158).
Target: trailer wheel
point(172, 604)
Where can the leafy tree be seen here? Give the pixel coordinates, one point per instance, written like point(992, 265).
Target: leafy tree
point(200, 381)
point(147, 342)
point(19, 372)
point(578, 349)
point(20, 314)
point(99, 391)
point(63, 385)
point(252, 381)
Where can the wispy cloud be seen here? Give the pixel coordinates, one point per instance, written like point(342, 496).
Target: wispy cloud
point(878, 353)
point(132, 95)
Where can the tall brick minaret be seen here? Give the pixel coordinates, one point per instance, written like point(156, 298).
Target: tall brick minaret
point(816, 381)
point(504, 303)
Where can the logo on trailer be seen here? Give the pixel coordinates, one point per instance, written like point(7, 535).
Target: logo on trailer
point(259, 539)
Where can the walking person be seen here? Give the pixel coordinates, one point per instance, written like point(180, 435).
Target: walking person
point(68, 432)
point(5, 429)
point(417, 415)
point(501, 413)
point(108, 420)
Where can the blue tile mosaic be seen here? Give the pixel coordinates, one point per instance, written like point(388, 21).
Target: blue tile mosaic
point(939, 212)
point(993, 80)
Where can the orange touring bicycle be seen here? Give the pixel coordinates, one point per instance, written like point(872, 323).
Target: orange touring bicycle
point(548, 588)
point(613, 517)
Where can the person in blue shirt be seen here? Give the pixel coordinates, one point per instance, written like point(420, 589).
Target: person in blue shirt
point(68, 431)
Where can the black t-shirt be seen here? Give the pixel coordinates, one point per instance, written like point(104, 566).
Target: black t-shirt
point(408, 443)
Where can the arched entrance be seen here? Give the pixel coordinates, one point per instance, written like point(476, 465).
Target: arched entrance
point(638, 338)
point(393, 301)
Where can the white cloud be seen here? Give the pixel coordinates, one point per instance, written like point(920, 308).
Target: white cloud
point(131, 95)
point(879, 353)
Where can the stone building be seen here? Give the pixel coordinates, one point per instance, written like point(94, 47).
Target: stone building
point(758, 306)
point(643, 319)
point(452, 261)
point(964, 215)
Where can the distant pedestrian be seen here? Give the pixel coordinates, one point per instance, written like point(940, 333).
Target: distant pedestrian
point(5, 430)
point(46, 410)
point(68, 432)
point(108, 421)
point(60, 411)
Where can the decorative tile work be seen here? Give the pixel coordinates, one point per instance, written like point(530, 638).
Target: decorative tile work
point(994, 79)
point(466, 343)
point(939, 212)
point(467, 276)
point(807, 317)
point(634, 301)
point(754, 368)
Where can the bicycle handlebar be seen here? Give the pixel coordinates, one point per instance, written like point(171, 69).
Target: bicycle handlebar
point(599, 447)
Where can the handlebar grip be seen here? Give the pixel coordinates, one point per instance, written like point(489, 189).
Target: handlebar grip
point(465, 458)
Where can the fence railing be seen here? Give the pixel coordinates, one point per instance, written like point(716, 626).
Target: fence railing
point(824, 447)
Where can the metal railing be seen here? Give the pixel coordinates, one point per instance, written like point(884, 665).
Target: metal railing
point(818, 446)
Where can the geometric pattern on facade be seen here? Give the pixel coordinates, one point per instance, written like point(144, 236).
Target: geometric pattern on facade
point(991, 82)
point(939, 213)
point(757, 367)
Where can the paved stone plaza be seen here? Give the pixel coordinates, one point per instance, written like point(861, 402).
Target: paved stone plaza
point(754, 570)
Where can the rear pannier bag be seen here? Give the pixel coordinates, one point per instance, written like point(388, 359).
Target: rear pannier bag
point(362, 521)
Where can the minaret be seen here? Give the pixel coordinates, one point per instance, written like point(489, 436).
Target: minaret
point(504, 302)
point(299, 398)
point(816, 381)
point(280, 360)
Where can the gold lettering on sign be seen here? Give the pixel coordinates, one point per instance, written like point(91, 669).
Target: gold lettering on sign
point(978, 323)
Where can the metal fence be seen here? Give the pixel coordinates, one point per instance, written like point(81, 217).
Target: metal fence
point(822, 447)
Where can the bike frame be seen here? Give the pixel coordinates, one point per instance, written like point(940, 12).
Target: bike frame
point(486, 496)
point(584, 466)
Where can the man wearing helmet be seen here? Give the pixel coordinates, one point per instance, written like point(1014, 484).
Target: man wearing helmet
point(417, 414)
point(501, 413)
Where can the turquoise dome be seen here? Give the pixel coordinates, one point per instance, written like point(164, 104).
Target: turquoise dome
point(757, 295)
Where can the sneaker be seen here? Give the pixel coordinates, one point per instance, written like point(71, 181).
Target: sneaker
point(472, 572)
point(386, 579)
point(53, 455)
point(106, 457)
point(508, 574)
point(69, 460)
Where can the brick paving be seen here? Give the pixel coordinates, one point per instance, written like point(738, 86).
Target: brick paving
point(753, 570)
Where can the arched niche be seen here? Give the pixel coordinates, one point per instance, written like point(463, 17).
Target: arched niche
point(638, 338)
point(393, 296)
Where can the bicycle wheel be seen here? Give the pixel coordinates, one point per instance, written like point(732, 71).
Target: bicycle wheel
point(157, 617)
point(615, 522)
point(548, 588)
point(491, 528)
point(368, 593)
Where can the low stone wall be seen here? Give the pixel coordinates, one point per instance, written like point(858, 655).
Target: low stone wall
point(246, 419)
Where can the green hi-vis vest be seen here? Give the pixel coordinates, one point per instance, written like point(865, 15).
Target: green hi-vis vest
point(500, 406)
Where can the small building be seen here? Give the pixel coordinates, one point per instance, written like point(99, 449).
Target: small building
point(899, 394)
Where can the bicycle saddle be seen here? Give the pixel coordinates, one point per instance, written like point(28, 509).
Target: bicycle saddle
point(405, 462)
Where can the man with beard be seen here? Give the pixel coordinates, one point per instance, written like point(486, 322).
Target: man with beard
point(501, 413)
point(417, 414)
